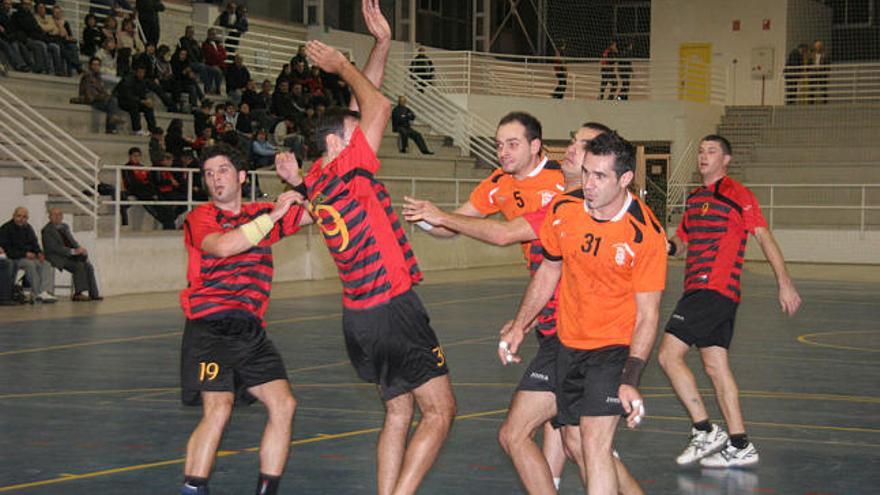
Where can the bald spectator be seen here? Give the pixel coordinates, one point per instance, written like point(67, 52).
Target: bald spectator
point(64, 253)
point(19, 241)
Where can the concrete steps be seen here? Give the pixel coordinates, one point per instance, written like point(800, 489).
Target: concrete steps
point(829, 155)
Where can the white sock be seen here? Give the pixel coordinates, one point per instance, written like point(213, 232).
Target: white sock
point(557, 481)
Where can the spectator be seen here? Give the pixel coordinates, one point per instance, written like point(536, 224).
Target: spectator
point(170, 186)
point(110, 29)
point(33, 39)
point(133, 98)
point(298, 72)
point(315, 85)
point(625, 70)
point(128, 46)
point(9, 44)
point(206, 138)
point(7, 280)
point(185, 75)
point(234, 19)
point(157, 146)
point(64, 253)
point(244, 123)
point(288, 135)
point(187, 161)
point(215, 58)
point(148, 16)
point(139, 183)
point(262, 150)
point(608, 73)
point(421, 69)
point(93, 92)
point(300, 57)
point(218, 120)
point(237, 76)
point(301, 101)
point(66, 40)
point(282, 103)
point(230, 114)
point(149, 61)
point(797, 59)
point(19, 241)
point(819, 61)
point(202, 116)
point(284, 76)
point(52, 39)
point(250, 96)
point(175, 141)
point(261, 106)
point(401, 123)
point(107, 56)
point(210, 76)
point(92, 36)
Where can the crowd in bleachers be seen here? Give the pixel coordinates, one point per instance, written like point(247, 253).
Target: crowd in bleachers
point(121, 68)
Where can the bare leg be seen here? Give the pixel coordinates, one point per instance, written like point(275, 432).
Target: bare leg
point(626, 483)
point(597, 436)
point(392, 441)
point(671, 358)
point(205, 439)
point(437, 405)
point(528, 411)
point(553, 450)
point(726, 391)
point(281, 406)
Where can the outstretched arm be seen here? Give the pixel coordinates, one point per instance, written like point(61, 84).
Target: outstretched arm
point(472, 225)
point(374, 70)
point(375, 108)
point(250, 234)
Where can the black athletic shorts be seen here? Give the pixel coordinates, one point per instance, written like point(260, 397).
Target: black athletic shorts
point(226, 355)
point(540, 375)
point(393, 345)
point(587, 382)
point(703, 318)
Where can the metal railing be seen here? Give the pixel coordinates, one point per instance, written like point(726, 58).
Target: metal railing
point(398, 185)
point(858, 200)
point(680, 174)
point(49, 153)
point(835, 83)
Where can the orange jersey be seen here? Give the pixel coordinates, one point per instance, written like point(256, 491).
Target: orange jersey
point(504, 193)
point(604, 263)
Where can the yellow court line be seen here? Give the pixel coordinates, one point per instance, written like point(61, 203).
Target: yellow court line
point(88, 392)
point(805, 339)
point(327, 316)
point(226, 453)
point(784, 425)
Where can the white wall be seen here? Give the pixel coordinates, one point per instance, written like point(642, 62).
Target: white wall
point(674, 22)
point(808, 21)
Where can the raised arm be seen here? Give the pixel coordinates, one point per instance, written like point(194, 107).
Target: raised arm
point(375, 108)
point(789, 299)
point(468, 221)
point(374, 70)
point(252, 233)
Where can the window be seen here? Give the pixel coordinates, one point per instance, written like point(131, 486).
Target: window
point(632, 18)
point(852, 12)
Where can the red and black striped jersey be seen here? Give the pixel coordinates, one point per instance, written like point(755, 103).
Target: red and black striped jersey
point(360, 227)
point(236, 285)
point(717, 222)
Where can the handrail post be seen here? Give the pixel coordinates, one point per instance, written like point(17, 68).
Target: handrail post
point(468, 72)
point(862, 210)
point(116, 207)
point(189, 189)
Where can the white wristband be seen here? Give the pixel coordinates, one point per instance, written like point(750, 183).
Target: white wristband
point(424, 225)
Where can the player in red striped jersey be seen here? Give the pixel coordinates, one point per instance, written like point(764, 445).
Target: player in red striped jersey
point(718, 218)
point(225, 353)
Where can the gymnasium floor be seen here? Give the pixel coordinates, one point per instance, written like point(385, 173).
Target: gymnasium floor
point(89, 399)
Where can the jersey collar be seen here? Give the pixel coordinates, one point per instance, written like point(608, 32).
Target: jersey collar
point(539, 168)
point(619, 215)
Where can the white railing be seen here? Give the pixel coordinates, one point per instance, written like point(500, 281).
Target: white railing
point(681, 173)
point(467, 72)
point(858, 199)
point(450, 194)
point(836, 83)
point(471, 133)
point(30, 140)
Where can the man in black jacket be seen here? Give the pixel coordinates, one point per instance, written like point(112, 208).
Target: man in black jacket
point(196, 58)
point(401, 123)
point(148, 15)
point(237, 77)
point(19, 241)
point(64, 253)
point(9, 46)
point(132, 95)
point(33, 39)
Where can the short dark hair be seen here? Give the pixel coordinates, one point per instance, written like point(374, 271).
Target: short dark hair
point(610, 143)
point(133, 150)
point(332, 122)
point(596, 126)
point(93, 59)
point(722, 141)
point(529, 121)
point(239, 161)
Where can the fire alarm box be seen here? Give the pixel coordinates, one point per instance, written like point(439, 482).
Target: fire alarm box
point(762, 62)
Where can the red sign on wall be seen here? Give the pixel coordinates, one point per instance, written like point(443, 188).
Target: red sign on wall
point(736, 24)
point(766, 25)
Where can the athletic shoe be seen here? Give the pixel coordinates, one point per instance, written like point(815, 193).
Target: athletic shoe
point(732, 457)
point(702, 444)
point(193, 490)
point(45, 297)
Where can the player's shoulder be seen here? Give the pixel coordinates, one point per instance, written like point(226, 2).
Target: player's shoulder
point(731, 187)
point(256, 208)
point(202, 211)
point(562, 202)
point(643, 221)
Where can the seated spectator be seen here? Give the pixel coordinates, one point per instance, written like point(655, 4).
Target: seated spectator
point(288, 135)
point(33, 40)
point(64, 253)
point(202, 116)
point(53, 39)
point(157, 146)
point(237, 77)
point(401, 123)
point(215, 57)
point(10, 50)
point(218, 120)
point(93, 92)
point(66, 40)
point(133, 98)
point(230, 114)
point(284, 76)
point(170, 186)
point(110, 28)
point(301, 100)
point(300, 57)
point(206, 138)
point(7, 280)
point(19, 241)
point(298, 71)
point(138, 182)
point(92, 36)
point(175, 141)
point(107, 56)
point(244, 122)
point(314, 84)
point(187, 161)
point(262, 150)
point(250, 95)
point(129, 46)
point(210, 76)
point(186, 76)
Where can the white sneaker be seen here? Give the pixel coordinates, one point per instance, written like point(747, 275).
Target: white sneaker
point(46, 297)
point(732, 457)
point(702, 444)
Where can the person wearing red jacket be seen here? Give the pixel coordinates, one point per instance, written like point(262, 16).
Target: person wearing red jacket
point(215, 58)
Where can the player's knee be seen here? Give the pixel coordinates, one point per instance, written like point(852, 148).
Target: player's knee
point(715, 371)
point(667, 358)
point(217, 412)
point(283, 407)
point(442, 414)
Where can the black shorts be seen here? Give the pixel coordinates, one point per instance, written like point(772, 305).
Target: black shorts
point(703, 318)
point(587, 382)
point(540, 375)
point(393, 345)
point(226, 355)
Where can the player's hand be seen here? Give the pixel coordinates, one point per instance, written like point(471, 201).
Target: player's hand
point(329, 59)
point(511, 337)
point(283, 203)
point(415, 210)
point(632, 403)
point(789, 299)
point(376, 22)
point(287, 167)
